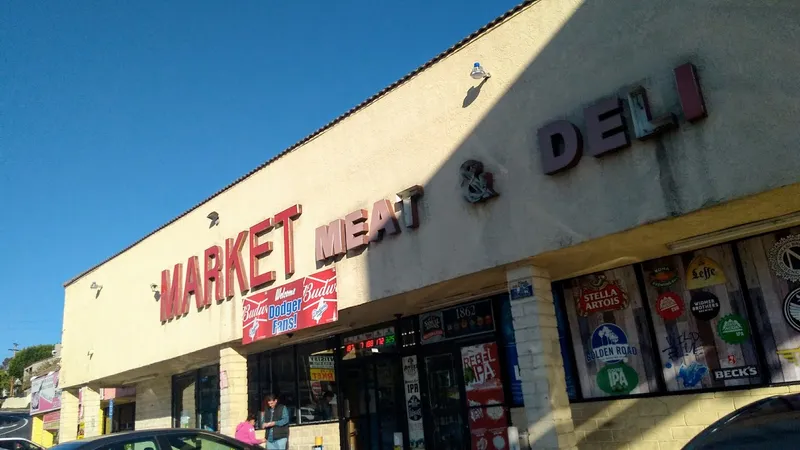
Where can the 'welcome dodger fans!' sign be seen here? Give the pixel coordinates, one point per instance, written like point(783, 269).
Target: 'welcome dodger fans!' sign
point(303, 303)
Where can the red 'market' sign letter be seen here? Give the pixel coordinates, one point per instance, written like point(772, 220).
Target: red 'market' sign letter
point(171, 296)
point(194, 285)
point(286, 217)
point(212, 275)
point(257, 251)
point(234, 263)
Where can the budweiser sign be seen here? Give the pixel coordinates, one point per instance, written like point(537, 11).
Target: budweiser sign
point(601, 295)
point(303, 303)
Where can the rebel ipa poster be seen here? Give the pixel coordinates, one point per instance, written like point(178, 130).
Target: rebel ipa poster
point(303, 303)
point(485, 398)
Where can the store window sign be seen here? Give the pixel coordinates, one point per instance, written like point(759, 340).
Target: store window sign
point(617, 379)
point(735, 373)
point(609, 344)
point(601, 295)
point(704, 272)
point(484, 392)
point(791, 309)
point(321, 368)
point(482, 372)
point(456, 322)
point(733, 329)
point(784, 258)
point(220, 270)
point(561, 143)
point(303, 303)
point(663, 277)
point(704, 305)
point(416, 429)
point(669, 306)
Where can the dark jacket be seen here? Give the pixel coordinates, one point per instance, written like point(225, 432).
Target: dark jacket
point(281, 418)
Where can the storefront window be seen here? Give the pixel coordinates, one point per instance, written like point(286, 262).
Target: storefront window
point(208, 398)
point(700, 320)
point(721, 317)
point(183, 401)
point(610, 334)
point(195, 399)
point(317, 374)
point(276, 374)
point(771, 267)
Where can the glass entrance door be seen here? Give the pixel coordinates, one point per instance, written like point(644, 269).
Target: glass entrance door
point(370, 391)
point(446, 406)
point(195, 399)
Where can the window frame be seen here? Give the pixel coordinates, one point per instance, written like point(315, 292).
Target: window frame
point(196, 375)
point(265, 357)
point(330, 343)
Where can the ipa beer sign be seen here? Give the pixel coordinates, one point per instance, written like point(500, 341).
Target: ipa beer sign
point(303, 303)
point(488, 424)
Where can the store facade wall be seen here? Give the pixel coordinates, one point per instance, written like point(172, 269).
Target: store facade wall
point(630, 203)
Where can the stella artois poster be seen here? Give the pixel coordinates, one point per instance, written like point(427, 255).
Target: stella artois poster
point(598, 294)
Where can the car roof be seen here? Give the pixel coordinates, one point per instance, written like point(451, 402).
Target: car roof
point(128, 435)
point(733, 426)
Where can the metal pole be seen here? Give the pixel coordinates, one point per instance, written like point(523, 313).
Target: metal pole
point(11, 379)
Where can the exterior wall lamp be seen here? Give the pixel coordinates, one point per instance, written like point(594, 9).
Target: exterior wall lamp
point(478, 72)
point(213, 216)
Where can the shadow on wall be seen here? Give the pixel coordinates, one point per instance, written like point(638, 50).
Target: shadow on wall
point(597, 52)
point(603, 48)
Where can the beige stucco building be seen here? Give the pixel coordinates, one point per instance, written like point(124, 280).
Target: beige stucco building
point(678, 237)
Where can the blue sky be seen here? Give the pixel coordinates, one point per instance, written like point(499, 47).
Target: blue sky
point(116, 117)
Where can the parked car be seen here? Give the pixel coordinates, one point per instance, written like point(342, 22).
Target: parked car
point(18, 444)
point(163, 439)
point(773, 422)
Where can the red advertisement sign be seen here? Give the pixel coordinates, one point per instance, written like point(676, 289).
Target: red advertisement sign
point(484, 389)
point(609, 296)
point(303, 303)
point(482, 375)
point(488, 428)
